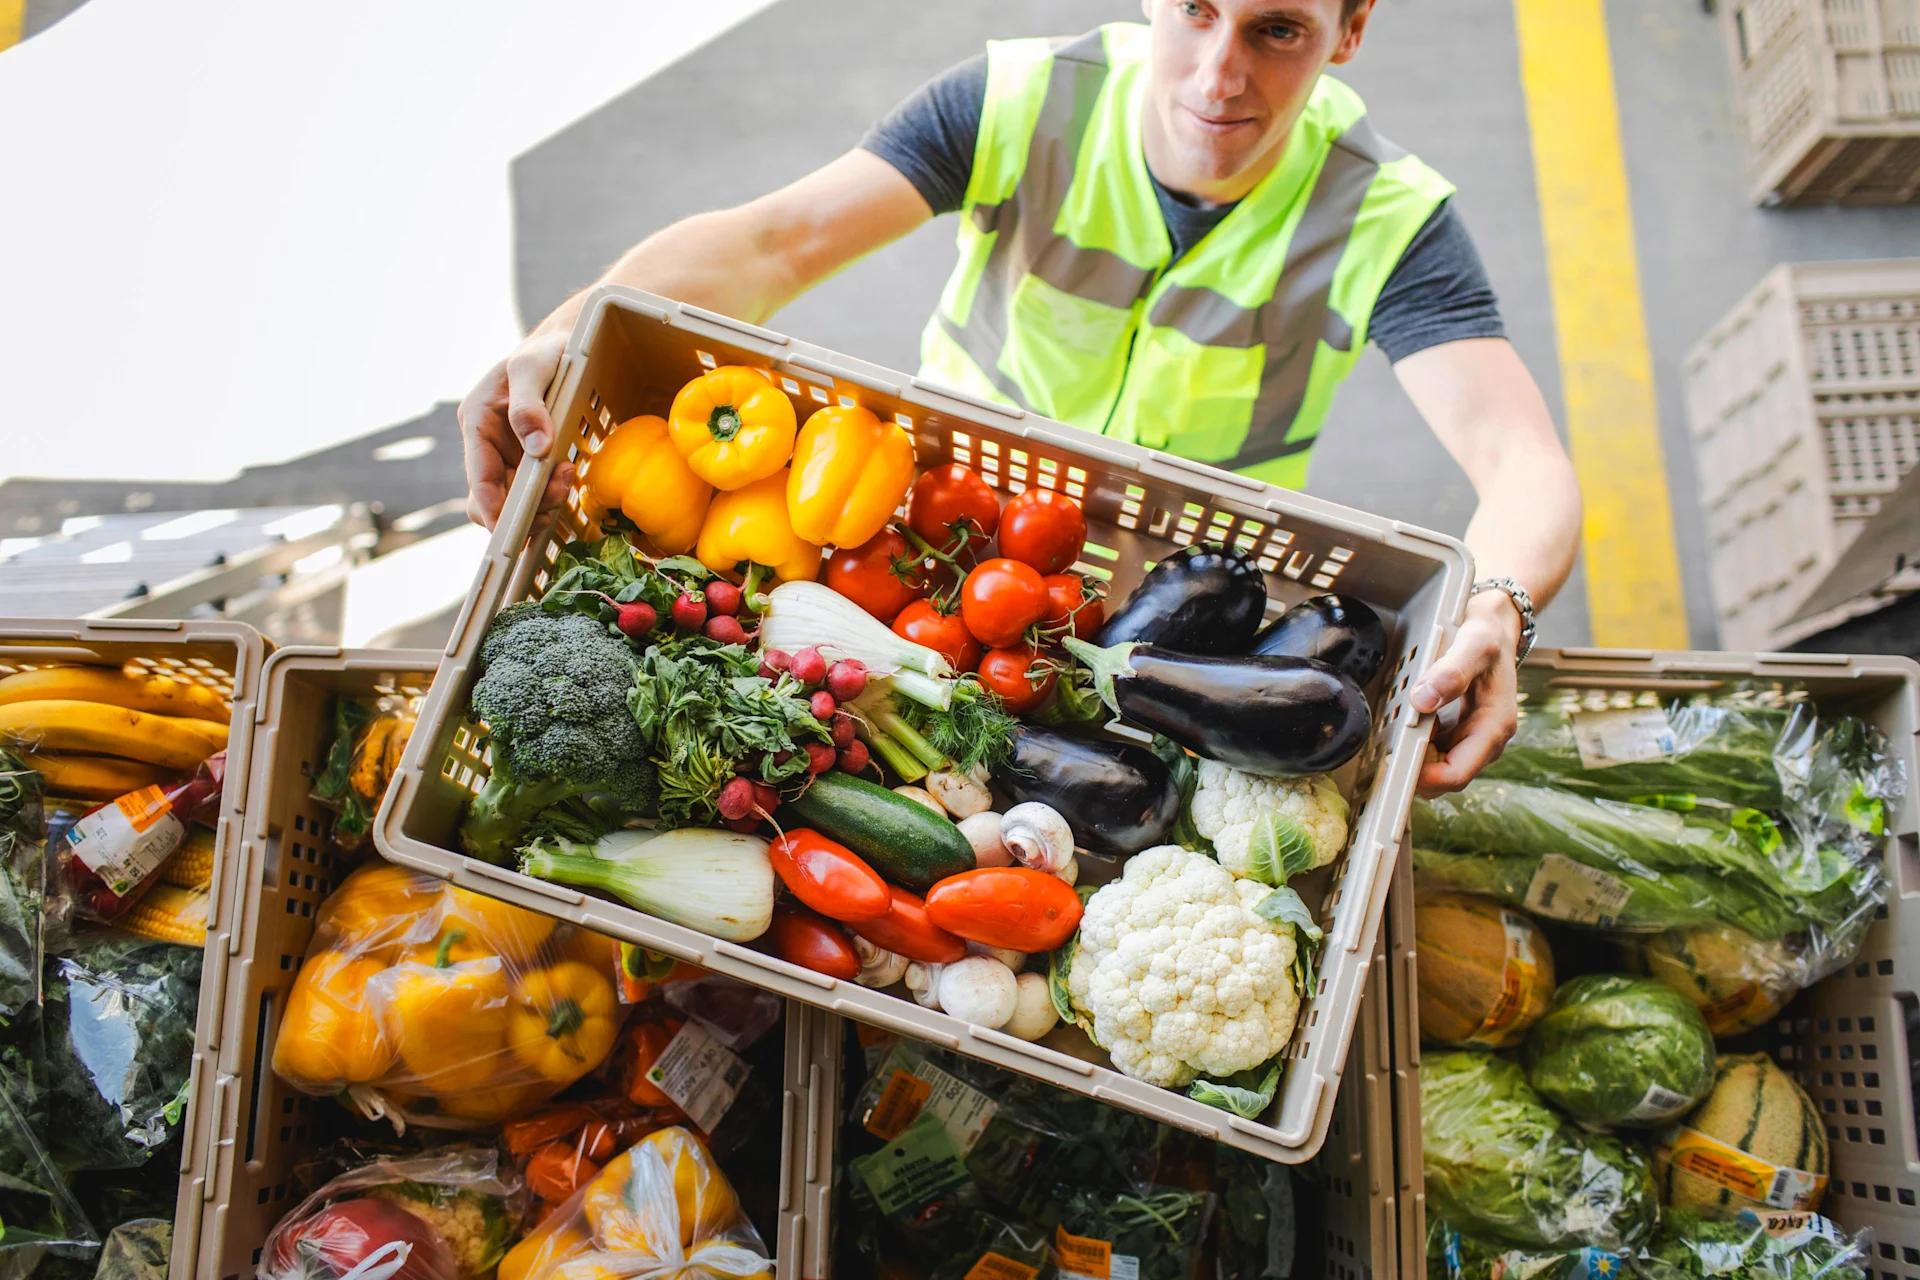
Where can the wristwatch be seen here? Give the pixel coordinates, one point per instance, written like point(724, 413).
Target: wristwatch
point(1521, 601)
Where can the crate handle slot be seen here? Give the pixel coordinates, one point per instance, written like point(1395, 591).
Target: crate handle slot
point(772, 964)
point(899, 1026)
point(1183, 471)
point(738, 326)
point(1038, 1052)
point(826, 370)
point(972, 402)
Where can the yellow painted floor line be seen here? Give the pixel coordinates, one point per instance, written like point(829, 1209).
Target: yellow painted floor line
point(1606, 371)
point(13, 21)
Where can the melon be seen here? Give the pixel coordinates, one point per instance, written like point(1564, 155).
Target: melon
point(1485, 970)
point(1738, 981)
point(1757, 1108)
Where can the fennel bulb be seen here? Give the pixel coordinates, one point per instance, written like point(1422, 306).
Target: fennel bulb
point(719, 882)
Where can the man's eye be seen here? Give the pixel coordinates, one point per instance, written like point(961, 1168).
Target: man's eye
point(1281, 33)
point(1189, 9)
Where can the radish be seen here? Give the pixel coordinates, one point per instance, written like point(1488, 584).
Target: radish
point(736, 799)
point(809, 667)
point(725, 629)
point(820, 757)
point(745, 826)
point(843, 730)
point(690, 611)
point(723, 597)
point(854, 757)
point(773, 663)
point(822, 705)
point(847, 679)
point(765, 798)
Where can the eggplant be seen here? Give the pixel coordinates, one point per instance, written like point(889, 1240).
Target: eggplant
point(1273, 715)
point(1118, 798)
point(1204, 598)
point(1339, 630)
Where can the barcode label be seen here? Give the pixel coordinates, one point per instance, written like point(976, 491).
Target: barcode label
point(1567, 890)
point(700, 1074)
point(1608, 738)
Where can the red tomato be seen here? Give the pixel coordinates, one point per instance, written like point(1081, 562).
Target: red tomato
point(944, 633)
point(341, 1236)
point(829, 877)
point(812, 942)
point(1000, 600)
point(1075, 606)
point(865, 575)
point(1009, 673)
point(906, 931)
point(1044, 529)
point(1013, 907)
point(948, 497)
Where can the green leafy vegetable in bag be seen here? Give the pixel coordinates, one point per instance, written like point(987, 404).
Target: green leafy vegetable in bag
point(1770, 1246)
point(22, 882)
point(1613, 1050)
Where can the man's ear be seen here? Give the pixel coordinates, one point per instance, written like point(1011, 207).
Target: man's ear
point(1350, 40)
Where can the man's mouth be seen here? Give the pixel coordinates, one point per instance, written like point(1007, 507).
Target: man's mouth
point(1208, 122)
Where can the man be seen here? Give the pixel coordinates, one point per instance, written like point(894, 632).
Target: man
point(1181, 235)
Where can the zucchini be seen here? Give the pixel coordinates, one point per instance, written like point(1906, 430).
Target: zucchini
point(903, 840)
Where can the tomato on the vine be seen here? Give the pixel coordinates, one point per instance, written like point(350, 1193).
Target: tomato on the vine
point(944, 633)
point(1075, 606)
point(1044, 529)
point(870, 574)
point(945, 499)
point(1012, 674)
point(1000, 599)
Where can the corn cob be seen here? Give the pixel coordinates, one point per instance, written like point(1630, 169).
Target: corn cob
point(192, 866)
point(156, 695)
point(94, 777)
point(97, 729)
point(168, 913)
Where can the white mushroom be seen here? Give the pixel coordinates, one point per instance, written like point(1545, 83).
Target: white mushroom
point(919, 795)
point(978, 990)
point(982, 831)
point(879, 967)
point(961, 794)
point(1033, 1011)
point(924, 981)
point(1014, 960)
point(1070, 872)
point(1037, 836)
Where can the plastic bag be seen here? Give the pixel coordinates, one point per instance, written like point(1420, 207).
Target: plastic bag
point(1774, 1245)
point(137, 1250)
point(1453, 1256)
point(449, 1215)
point(38, 1212)
point(119, 1025)
point(1739, 982)
point(1256, 1221)
point(116, 851)
point(661, 1208)
point(369, 737)
point(431, 1004)
point(21, 884)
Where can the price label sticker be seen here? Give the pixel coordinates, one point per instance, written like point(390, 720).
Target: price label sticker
point(700, 1074)
point(126, 841)
point(912, 1169)
point(1627, 736)
point(1572, 891)
point(1660, 1103)
point(899, 1106)
point(1083, 1257)
point(994, 1266)
point(1742, 1172)
point(1519, 976)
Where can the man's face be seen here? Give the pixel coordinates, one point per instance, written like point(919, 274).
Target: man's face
point(1229, 78)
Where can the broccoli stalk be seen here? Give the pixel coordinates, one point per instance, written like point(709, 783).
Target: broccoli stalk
point(567, 756)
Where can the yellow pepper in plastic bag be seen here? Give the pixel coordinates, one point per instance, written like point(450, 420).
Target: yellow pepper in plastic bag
point(850, 471)
point(752, 524)
point(564, 1021)
point(705, 1200)
point(380, 908)
point(639, 472)
point(733, 426)
point(449, 1017)
point(499, 927)
point(329, 1029)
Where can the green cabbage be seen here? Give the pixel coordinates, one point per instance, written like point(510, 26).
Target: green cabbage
point(1505, 1167)
point(1613, 1050)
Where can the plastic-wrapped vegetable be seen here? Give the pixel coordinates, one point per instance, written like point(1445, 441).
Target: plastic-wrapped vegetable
point(436, 1005)
point(39, 1214)
point(1755, 1246)
point(1619, 1051)
point(660, 1208)
point(21, 884)
point(1736, 980)
point(1453, 1256)
point(369, 737)
point(1504, 1166)
point(445, 1216)
point(119, 1022)
point(116, 851)
point(137, 1250)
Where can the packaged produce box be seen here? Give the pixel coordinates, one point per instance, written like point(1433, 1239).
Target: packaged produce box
point(254, 1130)
point(205, 658)
point(631, 353)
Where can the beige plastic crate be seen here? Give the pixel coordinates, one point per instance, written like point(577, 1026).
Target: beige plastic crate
point(1845, 1039)
point(1804, 405)
point(631, 352)
point(1828, 96)
point(258, 1129)
point(225, 657)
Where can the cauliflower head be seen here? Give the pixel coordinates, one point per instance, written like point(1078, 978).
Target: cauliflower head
point(1178, 975)
point(1268, 829)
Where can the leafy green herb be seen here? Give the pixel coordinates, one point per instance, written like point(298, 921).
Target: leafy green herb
point(975, 731)
point(586, 574)
point(22, 870)
point(1160, 1226)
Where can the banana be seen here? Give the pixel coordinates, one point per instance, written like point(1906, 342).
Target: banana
point(155, 695)
point(93, 728)
point(93, 777)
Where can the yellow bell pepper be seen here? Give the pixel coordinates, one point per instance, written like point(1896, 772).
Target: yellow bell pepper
point(500, 928)
point(850, 470)
point(564, 1021)
point(330, 1032)
point(449, 1018)
point(378, 909)
point(491, 1106)
point(733, 426)
point(542, 1247)
point(639, 472)
point(704, 1197)
point(751, 524)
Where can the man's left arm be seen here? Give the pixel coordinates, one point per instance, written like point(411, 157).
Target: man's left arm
point(1485, 408)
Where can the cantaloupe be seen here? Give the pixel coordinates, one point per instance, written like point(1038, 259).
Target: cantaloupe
point(1755, 1107)
point(1485, 970)
point(1738, 981)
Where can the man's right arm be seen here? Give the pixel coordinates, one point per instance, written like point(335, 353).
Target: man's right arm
point(747, 262)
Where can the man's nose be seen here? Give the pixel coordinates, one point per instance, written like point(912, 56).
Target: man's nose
point(1219, 76)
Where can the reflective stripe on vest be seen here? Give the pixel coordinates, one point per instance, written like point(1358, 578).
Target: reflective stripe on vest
point(1063, 302)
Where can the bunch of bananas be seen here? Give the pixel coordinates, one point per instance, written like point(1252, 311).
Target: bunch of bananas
point(97, 733)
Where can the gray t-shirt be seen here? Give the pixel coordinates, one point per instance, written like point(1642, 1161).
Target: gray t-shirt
point(1437, 293)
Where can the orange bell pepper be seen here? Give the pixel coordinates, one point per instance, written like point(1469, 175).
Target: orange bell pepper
point(638, 471)
point(751, 525)
point(850, 471)
point(733, 426)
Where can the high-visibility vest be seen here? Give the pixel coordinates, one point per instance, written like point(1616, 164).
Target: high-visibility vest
point(1063, 302)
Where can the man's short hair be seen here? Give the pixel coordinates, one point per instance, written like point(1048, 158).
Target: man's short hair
point(1348, 8)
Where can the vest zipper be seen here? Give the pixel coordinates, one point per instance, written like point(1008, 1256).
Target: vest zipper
point(1126, 366)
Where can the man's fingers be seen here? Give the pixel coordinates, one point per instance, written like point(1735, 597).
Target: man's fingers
point(529, 370)
point(557, 486)
point(1480, 738)
point(1473, 650)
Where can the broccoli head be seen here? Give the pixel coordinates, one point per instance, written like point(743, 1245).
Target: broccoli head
point(553, 693)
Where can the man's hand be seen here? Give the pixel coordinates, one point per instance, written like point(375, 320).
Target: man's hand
point(505, 418)
point(1478, 666)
